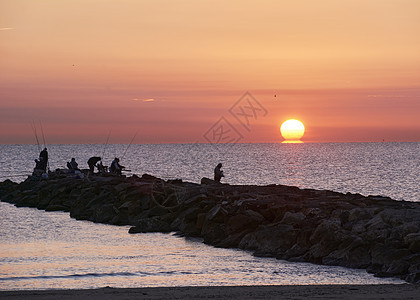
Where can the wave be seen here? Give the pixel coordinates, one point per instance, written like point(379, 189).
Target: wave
point(74, 276)
point(111, 274)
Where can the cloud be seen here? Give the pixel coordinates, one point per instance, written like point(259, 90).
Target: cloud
point(6, 28)
point(143, 100)
point(387, 96)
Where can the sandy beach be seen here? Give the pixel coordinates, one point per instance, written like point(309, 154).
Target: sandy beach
point(391, 291)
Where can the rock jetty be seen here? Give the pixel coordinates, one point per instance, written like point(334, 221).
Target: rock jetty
point(375, 233)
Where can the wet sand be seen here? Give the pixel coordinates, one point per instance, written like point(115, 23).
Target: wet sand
point(389, 291)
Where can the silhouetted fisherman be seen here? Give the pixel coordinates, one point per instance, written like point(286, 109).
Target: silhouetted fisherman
point(38, 170)
point(115, 167)
point(218, 173)
point(92, 163)
point(73, 165)
point(43, 158)
point(38, 164)
point(101, 168)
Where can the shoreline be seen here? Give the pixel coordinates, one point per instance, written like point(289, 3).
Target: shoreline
point(388, 291)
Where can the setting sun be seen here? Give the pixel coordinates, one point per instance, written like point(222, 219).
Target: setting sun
point(292, 130)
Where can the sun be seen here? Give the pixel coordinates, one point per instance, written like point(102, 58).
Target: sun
point(292, 130)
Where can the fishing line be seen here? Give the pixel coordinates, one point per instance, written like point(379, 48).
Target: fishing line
point(43, 137)
point(45, 144)
point(129, 145)
point(36, 135)
point(109, 134)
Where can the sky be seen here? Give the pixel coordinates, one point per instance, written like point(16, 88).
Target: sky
point(212, 71)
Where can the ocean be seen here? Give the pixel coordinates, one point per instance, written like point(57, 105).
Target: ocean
point(49, 250)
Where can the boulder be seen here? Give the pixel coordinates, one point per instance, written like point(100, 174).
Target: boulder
point(240, 222)
point(293, 218)
point(153, 224)
point(205, 180)
point(104, 213)
point(270, 240)
point(413, 242)
point(354, 255)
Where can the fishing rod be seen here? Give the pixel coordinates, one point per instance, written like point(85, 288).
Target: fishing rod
point(109, 134)
point(43, 137)
point(36, 135)
point(129, 145)
point(45, 144)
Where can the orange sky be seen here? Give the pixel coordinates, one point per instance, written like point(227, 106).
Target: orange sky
point(349, 69)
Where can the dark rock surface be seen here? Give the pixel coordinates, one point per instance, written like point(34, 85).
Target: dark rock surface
point(323, 227)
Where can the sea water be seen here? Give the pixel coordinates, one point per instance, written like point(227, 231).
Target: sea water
point(49, 250)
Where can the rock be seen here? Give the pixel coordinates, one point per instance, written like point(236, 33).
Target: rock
point(254, 215)
point(205, 180)
point(270, 240)
point(56, 207)
point(376, 224)
point(104, 213)
point(217, 214)
point(122, 186)
point(357, 214)
point(213, 233)
point(295, 253)
point(353, 254)
point(413, 259)
point(292, 218)
point(325, 231)
point(358, 227)
point(414, 268)
point(154, 224)
point(186, 222)
point(413, 277)
point(407, 228)
point(397, 267)
point(239, 223)
point(121, 219)
point(384, 255)
point(157, 211)
point(147, 177)
point(415, 246)
point(413, 240)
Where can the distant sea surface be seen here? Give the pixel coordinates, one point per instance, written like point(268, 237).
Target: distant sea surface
point(48, 250)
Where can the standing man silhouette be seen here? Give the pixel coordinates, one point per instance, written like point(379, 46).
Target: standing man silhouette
point(218, 173)
point(43, 157)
